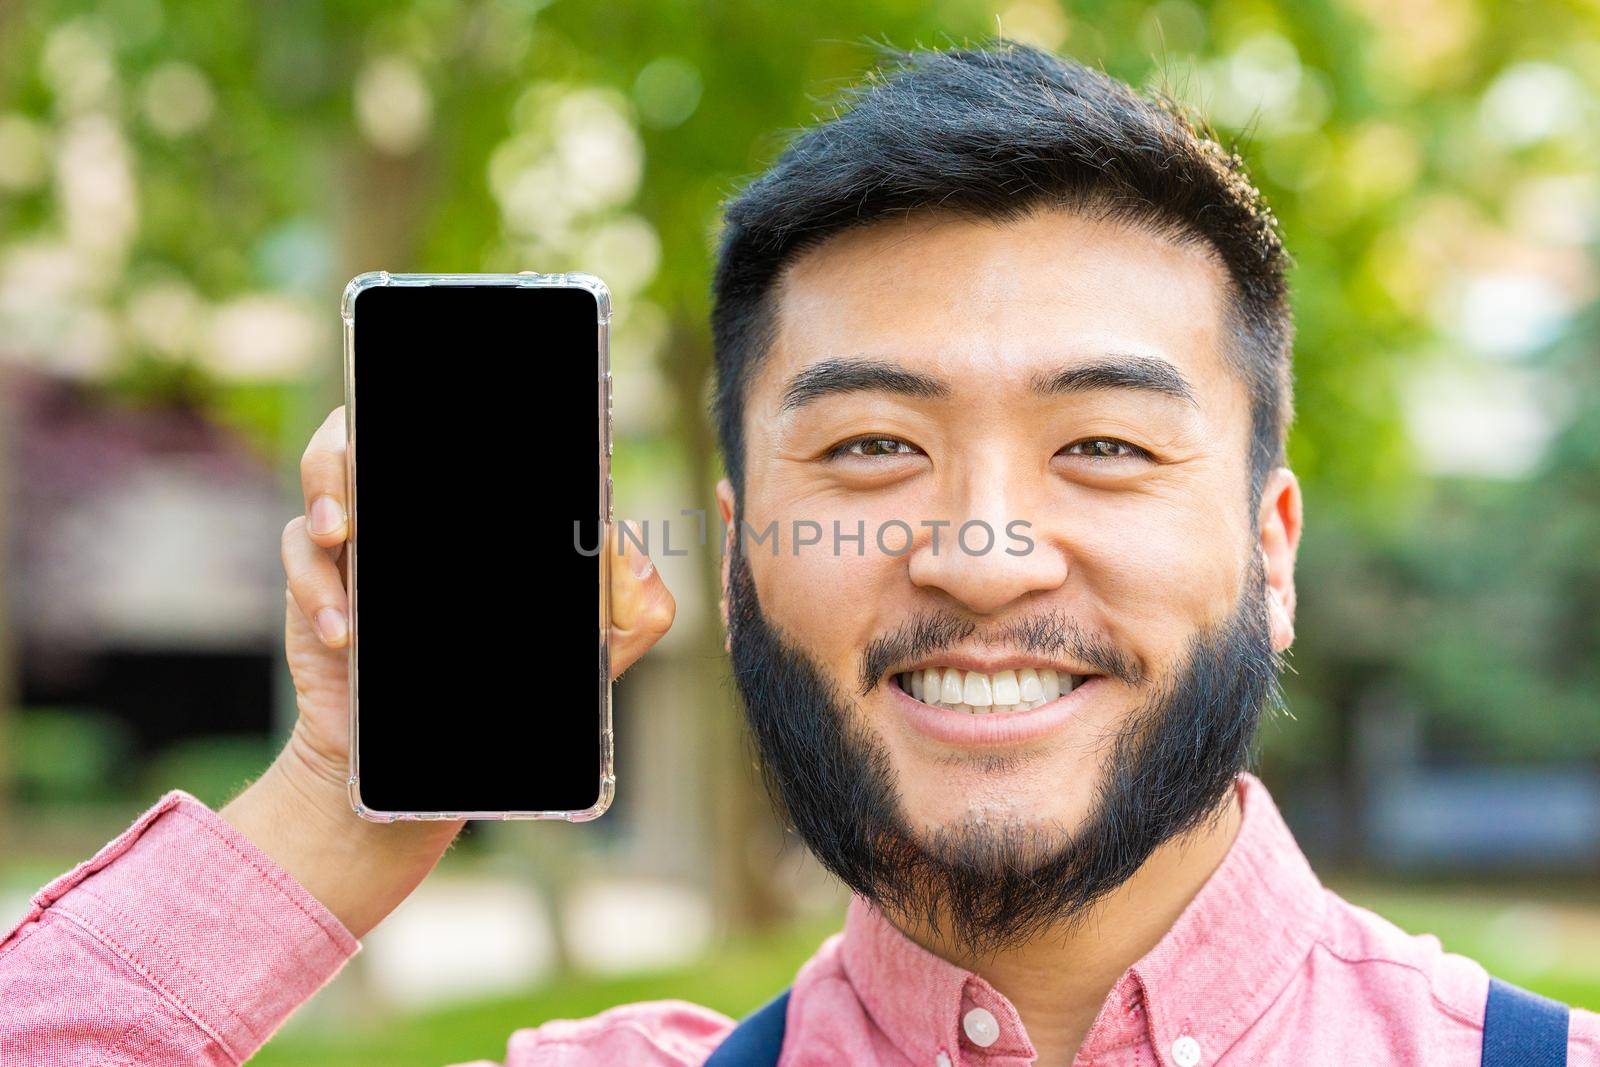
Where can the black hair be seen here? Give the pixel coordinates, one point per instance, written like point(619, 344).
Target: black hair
point(996, 132)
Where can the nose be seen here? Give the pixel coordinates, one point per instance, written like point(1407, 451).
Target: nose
point(989, 553)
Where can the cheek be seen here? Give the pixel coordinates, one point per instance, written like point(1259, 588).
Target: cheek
point(1158, 570)
point(826, 591)
point(813, 593)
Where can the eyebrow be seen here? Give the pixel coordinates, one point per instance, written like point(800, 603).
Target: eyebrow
point(1147, 373)
point(832, 377)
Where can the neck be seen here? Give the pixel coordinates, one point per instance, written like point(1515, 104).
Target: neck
point(1058, 980)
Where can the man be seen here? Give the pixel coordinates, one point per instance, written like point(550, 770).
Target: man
point(1018, 342)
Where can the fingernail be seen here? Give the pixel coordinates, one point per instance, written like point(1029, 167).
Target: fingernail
point(639, 563)
point(327, 515)
point(331, 625)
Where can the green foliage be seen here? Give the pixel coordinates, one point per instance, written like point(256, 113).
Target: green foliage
point(67, 756)
point(214, 769)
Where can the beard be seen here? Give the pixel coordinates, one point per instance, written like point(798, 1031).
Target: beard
point(989, 886)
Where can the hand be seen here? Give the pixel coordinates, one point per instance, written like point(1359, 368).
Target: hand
point(316, 631)
point(299, 811)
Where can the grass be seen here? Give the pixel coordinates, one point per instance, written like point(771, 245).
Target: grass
point(1549, 945)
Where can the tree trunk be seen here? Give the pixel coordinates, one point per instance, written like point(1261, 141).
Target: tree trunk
point(745, 836)
point(8, 662)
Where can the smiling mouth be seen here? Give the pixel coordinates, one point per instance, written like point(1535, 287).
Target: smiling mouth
point(978, 693)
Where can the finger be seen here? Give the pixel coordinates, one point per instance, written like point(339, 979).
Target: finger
point(315, 585)
point(642, 607)
point(322, 481)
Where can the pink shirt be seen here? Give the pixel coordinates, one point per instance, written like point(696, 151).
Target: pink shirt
point(180, 943)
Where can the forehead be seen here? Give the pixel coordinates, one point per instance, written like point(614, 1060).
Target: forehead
point(1000, 300)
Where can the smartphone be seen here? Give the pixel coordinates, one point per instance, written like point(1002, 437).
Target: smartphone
point(478, 409)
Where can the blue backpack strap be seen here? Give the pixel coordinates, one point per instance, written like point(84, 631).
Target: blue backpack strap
point(1523, 1029)
point(758, 1038)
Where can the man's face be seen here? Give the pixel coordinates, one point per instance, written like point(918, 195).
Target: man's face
point(1062, 381)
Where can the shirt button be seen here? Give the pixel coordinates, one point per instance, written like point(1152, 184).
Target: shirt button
point(1186, 1051)
point(981, 1027)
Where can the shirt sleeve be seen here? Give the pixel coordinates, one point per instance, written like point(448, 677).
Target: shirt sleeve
point(1583, 1039)
point(180, 943)
point(650, 1033)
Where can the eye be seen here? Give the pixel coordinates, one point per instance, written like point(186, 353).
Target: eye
point(872, 447)
point(1105, 448)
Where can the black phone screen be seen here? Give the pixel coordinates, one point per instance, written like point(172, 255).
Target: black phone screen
point(478, 413)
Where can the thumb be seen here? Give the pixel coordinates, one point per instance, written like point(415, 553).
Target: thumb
point(642, 607)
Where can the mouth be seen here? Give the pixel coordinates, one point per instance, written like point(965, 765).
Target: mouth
point(984, 692)
point(954, 704)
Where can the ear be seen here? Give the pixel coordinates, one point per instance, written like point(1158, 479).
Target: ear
point(1279, 521)
point(725, 505)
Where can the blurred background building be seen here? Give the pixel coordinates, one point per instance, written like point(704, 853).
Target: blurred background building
point(185, 186)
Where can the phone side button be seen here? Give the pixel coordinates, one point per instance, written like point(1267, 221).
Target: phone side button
point(609, 490)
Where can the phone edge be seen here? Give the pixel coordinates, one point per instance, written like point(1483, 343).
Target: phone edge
point(530, 279)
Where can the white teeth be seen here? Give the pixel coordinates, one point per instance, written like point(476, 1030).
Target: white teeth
point(978, 693)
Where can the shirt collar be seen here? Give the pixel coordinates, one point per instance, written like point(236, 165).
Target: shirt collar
point(918, 999)
point(1239, 941)
point(1209, 977)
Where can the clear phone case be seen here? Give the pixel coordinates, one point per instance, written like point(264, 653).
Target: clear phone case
point(529, 279)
